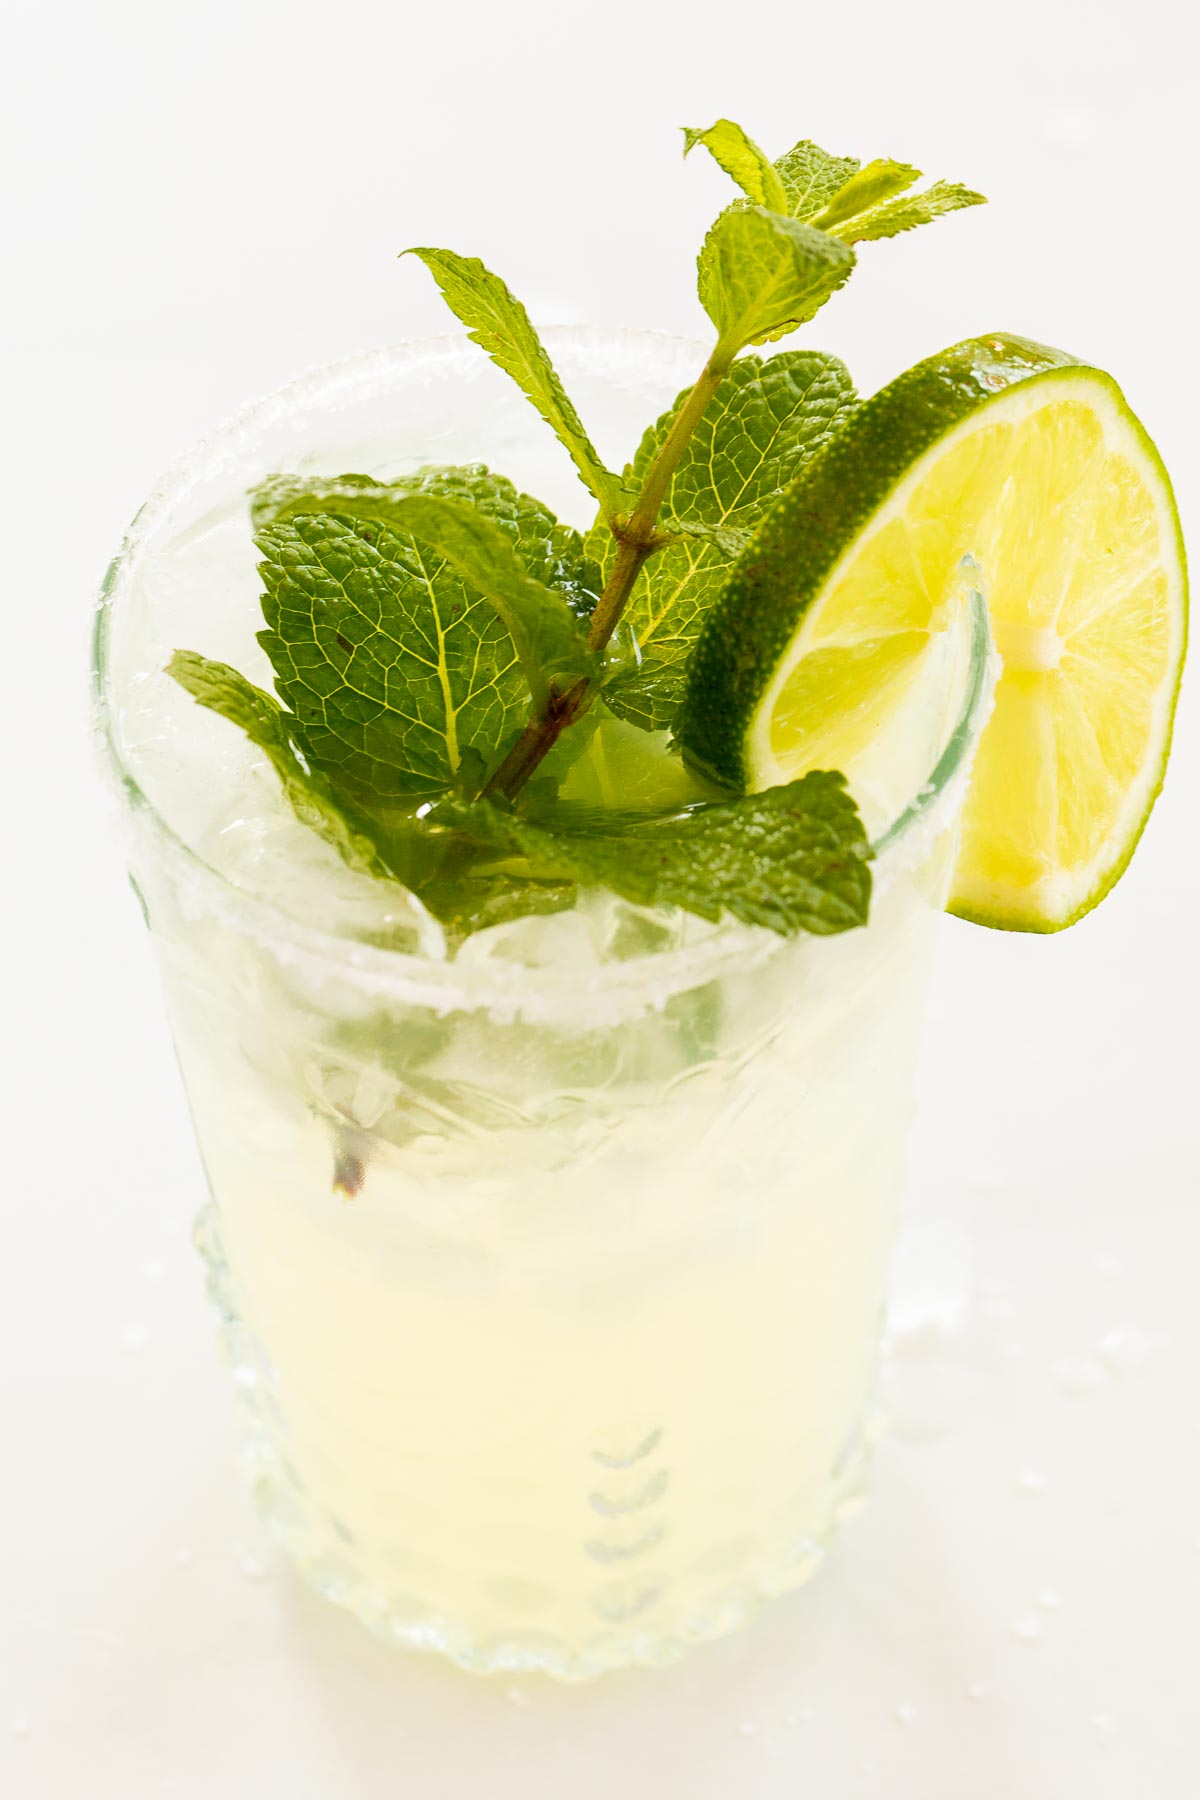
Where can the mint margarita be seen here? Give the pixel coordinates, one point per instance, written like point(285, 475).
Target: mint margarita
point(552, 1084)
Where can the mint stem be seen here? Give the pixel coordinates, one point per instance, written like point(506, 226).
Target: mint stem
point(637, 540)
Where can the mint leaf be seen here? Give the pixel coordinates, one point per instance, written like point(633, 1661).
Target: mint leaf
point(496, 320)
point(280, 497)
point(741, 158)
point(553, 553)
point(878, 181)
point(769, 417)
point(467, 887)
point(542, 626)
point(794, 858)
point(227, 692)
point(904, 213)
point(762, 275)
point(811, 177)
point(835, 194)
point(390, 662)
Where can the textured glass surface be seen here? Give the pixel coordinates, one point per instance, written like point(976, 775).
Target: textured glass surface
point(551, 1275)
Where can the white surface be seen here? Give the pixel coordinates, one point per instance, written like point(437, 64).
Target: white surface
point(210, 199)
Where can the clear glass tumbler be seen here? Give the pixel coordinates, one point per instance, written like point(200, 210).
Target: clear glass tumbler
point(551, 1273)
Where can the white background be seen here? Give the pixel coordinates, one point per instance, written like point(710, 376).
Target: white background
point(205, 199)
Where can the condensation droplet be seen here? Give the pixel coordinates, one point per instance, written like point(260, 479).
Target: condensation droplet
point(745, 1729)
point(976, 1690)
point(906, 1712)
point(134, 1337)
point(21, 1727)
point(1103, 1722)
point(1124, 1349)
point(1048, 1599)
point(1027, 1628)
point(1029, 1481)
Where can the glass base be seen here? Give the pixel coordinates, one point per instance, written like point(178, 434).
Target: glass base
point(324, 1552)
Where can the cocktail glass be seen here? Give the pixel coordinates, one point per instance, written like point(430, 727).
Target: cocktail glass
point(551, 1273)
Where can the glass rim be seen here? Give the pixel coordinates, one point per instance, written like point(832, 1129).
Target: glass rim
point(391, 970)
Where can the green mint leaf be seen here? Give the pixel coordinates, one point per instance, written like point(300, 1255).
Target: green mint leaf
point(792, 859)
point(761, 275)
point(227, 692)
point(553, 553)
point(811, 177)
point(479, 895)
point(496, 320)
point(770, 416)
point(390, 662)
point(542, 626)
point(280, 497)
point(473, 905)
point(741, 158)
point(906, 212)
point(878, 181)
point(506, 545)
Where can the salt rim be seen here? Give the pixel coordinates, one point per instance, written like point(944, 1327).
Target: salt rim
point(516, 990)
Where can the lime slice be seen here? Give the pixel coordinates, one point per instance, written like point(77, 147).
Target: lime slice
point(830, 646)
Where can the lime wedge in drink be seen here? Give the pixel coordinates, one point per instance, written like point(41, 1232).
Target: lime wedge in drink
point(827, 647)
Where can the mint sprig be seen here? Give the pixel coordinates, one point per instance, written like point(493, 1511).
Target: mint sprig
point(453, 665)
point(834, 194)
